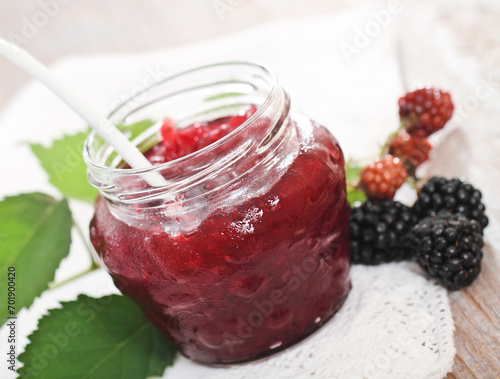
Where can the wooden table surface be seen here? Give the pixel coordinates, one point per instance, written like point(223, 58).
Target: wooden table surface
point(106, 26)
point(476, 311)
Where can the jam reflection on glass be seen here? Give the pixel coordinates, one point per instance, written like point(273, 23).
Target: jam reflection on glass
point(252, 278)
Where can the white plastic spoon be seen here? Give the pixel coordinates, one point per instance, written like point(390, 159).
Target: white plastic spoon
point(101, 125)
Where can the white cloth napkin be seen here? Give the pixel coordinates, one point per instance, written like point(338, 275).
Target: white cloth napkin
point(395, 323)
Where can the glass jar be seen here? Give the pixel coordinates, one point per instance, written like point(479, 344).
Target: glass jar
point(245, 249)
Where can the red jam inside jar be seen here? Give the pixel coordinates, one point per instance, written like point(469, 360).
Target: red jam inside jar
point(246, 251)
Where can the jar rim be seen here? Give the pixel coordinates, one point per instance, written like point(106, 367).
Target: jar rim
point(271, 77)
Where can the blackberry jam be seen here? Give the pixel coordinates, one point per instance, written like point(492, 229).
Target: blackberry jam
point(245, 250)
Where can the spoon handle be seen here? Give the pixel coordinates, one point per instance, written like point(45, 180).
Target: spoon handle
point(101, 125)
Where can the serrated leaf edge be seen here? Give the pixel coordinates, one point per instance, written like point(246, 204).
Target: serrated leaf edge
point(81, 297)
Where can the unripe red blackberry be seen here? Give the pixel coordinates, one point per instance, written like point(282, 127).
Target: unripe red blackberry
point(425, 111)
point(382, 178)
point(412, 150)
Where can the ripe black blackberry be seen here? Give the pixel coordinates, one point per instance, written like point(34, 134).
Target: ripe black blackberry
point(449, 248)
point(380, 231)
point(454, 195)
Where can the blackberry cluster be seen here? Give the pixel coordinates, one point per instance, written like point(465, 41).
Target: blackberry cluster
point(379, 232)
point(449, 248)
point(454, 195)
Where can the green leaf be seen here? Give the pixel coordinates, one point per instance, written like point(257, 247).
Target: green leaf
point(133, 130)
point(35, 235)
point(64, 164)
point(354, 195)
point(352, 171)
point(104, 338)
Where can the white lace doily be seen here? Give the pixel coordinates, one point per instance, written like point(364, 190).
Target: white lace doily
point(394, 324)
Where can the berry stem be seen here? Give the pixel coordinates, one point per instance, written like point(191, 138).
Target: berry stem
point(413, 182)
point(79, 230)
point(93, 267)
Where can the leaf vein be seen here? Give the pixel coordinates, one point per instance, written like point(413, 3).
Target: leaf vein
point(118, 347)
point(47, 213)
